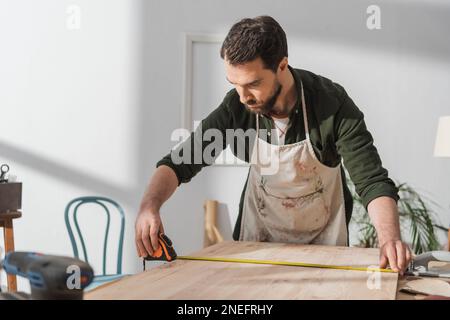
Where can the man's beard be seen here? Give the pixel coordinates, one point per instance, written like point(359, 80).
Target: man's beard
point(267, 107)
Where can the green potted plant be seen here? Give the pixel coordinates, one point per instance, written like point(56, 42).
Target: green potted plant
point(418, 221)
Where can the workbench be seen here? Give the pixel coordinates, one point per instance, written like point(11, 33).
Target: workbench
point(187, 279)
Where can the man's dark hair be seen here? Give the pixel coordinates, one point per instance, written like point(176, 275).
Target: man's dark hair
point(249, 39)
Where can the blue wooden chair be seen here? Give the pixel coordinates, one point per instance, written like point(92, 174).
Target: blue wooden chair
point(72, 211)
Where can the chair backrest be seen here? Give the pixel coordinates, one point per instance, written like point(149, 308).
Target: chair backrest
point(101, 201)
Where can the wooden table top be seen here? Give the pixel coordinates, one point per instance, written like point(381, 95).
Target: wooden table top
point(182, 279)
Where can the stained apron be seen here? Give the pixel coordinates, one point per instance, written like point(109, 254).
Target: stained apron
point(291, 196)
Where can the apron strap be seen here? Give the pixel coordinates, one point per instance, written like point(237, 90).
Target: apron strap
point(305, 117)
point(257, 125)
point(257, 138)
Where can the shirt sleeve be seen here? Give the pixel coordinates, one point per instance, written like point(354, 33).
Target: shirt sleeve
point(356, 146)
point(208, 139)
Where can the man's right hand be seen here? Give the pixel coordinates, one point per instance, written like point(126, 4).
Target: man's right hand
point(148, 226)
point(148, 222)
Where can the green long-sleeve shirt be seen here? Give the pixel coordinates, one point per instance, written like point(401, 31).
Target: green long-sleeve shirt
point(337, 131)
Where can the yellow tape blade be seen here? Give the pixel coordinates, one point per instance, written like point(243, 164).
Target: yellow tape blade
point(285, 263)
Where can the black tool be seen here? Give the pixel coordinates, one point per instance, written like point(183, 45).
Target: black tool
point(51, 277)
point(4, 168)
point(419, 264)
point(165, 252)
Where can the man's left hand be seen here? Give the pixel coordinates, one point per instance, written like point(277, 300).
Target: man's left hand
point(396, 254)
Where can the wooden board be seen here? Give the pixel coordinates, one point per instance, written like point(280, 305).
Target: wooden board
point(183, 279)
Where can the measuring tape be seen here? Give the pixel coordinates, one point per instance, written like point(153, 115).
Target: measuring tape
point(285, 263)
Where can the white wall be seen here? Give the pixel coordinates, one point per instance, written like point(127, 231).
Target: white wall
point(70, 112)
point(90, 111)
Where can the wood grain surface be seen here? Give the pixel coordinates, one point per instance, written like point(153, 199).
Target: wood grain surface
point(183, 279)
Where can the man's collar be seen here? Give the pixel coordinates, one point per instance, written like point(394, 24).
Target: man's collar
point(298, 87)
